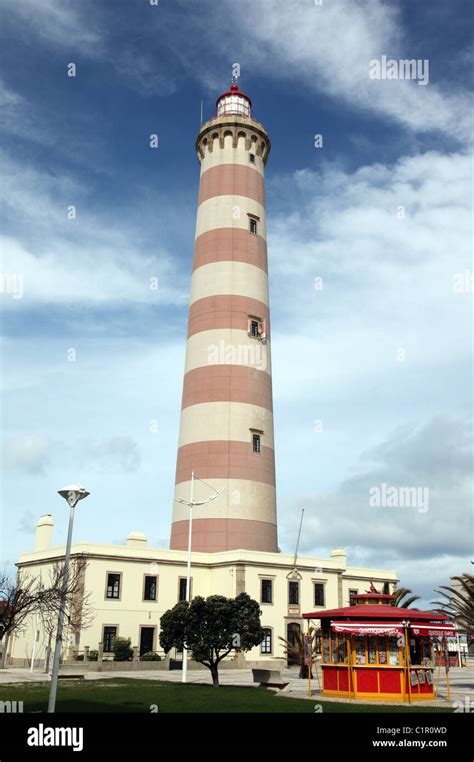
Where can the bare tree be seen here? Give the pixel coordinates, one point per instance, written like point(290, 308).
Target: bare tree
point(79, 613)
point(29, 594)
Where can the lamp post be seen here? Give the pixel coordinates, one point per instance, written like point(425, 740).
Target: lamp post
point(406, 656)
point(73, 493)
point(191, 503)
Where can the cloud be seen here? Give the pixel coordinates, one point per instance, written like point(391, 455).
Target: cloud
point(318, 48)
point(68, 254)
point(33, 454)
point(140, 71)
point(117, 454)
point(57, 22)
point(27, 523)
point(435, 455)
point(387, 243)
point(327, 48)
point(29, 454)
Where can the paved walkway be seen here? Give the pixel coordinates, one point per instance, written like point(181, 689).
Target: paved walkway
point(461, 682)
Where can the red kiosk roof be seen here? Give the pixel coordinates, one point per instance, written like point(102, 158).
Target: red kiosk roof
point(376, 612)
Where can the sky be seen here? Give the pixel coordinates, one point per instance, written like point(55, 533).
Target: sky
point(369, 239)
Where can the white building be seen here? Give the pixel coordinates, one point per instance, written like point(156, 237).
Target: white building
point(131, 586)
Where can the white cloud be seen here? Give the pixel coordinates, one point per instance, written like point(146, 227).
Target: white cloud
point(387, 282)
point(319, 48)
point(328, 48)
point(81, 260)
point(117, 454)
point(27, 453)
point(436, 456)
point(58, 22)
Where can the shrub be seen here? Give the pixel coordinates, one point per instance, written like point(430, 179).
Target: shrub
point(79, 657)
point(93, 655)
point(150, 656)
point(122, 649)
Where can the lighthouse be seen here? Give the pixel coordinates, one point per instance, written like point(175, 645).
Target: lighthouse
point(226, 425)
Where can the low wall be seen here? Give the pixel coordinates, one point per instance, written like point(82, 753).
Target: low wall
point(79, 667)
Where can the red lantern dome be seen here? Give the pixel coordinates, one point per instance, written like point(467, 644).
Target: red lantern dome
point(234, 102)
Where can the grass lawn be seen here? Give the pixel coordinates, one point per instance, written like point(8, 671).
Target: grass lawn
point(129, 695)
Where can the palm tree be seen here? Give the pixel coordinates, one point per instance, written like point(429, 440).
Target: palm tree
point(404, 597)
point(296, 650)
point(458, 603)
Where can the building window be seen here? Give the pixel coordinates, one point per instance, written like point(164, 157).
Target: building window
point(351, 593)
point(293, 593)
point(182, 589)
point(267, 591)
point(256, 328)
point(253, 226)
point(149, 593)
point(266, 645)
point(252, 161)
point(109, 634)
point(318, 594)
point(256, 442)
point(113, 585)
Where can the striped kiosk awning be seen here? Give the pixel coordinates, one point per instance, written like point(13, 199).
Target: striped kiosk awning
point(433, 630)
point(368, 628)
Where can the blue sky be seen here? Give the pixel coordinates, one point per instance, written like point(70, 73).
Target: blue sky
point(381, 355)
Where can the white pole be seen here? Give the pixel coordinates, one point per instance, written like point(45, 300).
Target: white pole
point(59, 633)
point(188, 576)
point(459, 647)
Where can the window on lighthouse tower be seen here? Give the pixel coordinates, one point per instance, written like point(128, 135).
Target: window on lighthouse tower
point(256, 442)
point(253, 226)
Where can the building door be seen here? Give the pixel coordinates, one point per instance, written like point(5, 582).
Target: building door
point(146, 639)
point(293, 632)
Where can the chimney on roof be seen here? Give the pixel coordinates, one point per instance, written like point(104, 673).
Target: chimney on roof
point(137, 540)
point(339, 555)
point(44, 532)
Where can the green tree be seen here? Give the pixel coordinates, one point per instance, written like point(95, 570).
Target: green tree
point(122, 648)
point(458, 603)
point(211, 628)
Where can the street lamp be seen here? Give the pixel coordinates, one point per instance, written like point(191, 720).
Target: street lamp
point(406, 655)
point(73, 493)
point(191, 503)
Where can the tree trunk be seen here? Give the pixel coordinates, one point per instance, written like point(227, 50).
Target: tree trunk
point(48, 655)
point(3, 660)
point(215, 675)
point(304, 671)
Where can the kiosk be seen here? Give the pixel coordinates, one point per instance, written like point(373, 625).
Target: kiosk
point(373, 650)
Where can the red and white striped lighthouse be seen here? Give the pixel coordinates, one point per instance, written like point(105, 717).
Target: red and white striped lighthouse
point(226, 431)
